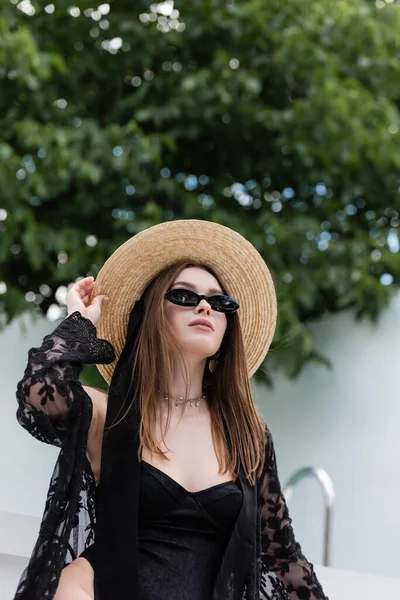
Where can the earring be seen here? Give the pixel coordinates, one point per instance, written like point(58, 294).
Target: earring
point(213, 362)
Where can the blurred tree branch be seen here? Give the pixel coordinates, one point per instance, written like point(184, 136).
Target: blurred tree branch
point(278, 120)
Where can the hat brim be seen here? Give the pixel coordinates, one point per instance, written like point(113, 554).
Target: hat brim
point(128, 271)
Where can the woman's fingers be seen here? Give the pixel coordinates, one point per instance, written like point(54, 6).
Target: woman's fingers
point(85, 286)
point(78, 298)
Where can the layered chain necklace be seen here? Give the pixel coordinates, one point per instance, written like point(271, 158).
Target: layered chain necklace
point(179, 400)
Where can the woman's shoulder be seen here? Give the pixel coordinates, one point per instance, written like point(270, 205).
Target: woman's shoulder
point(97, 395)
point(99, 400)
point(91, 388)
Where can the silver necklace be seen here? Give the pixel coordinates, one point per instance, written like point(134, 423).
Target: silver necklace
point(180, 400)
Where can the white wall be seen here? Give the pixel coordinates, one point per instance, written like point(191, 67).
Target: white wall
point(344, 421)
point(347, 422)
point(25, 463)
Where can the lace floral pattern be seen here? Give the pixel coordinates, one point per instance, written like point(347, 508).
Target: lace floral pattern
point(54, 408)
point(286, 573)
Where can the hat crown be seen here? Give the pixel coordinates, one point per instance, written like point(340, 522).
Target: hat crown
point(127, 272)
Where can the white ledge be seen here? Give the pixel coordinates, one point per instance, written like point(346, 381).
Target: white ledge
point(18, 534)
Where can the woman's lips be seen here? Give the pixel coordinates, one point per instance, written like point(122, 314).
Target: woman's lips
point(202, 327)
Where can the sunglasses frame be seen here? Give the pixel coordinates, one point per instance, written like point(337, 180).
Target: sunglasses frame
point(199, 298)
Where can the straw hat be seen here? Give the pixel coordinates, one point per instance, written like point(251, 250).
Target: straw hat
point(128, 271)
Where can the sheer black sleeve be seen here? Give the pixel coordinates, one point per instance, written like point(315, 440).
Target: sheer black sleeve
point(54, 407)
point(47, 392)
point(286, 572)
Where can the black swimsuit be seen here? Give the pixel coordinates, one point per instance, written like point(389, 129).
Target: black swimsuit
point(182, 536)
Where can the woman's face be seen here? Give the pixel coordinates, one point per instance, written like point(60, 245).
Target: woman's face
point(198, 342)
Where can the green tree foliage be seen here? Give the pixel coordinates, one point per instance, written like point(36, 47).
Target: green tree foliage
point(278, 119)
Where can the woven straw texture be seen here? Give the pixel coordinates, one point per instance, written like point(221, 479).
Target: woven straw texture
point(125, 275)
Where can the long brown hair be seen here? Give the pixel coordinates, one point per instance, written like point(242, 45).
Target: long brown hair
point(238, 430)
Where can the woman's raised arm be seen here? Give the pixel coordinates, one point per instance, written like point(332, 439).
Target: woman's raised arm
point(49, 392)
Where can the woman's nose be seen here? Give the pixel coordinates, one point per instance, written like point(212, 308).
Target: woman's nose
point(203, 305)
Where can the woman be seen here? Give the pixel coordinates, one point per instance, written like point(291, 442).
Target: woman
point(188, 503)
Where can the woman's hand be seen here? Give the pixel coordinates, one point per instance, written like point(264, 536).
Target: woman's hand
point(78, 299)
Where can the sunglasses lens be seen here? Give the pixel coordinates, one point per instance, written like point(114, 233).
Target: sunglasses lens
point(223, 304)
point(188, 298)
point(183, 297)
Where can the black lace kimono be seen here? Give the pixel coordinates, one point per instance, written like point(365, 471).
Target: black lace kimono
point(262, 559)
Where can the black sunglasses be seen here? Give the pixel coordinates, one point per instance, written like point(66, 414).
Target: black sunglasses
point(220, 303)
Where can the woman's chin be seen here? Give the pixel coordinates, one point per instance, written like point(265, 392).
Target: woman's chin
point(198, 351)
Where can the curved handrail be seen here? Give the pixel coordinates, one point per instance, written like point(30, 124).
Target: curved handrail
point(326, 484)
